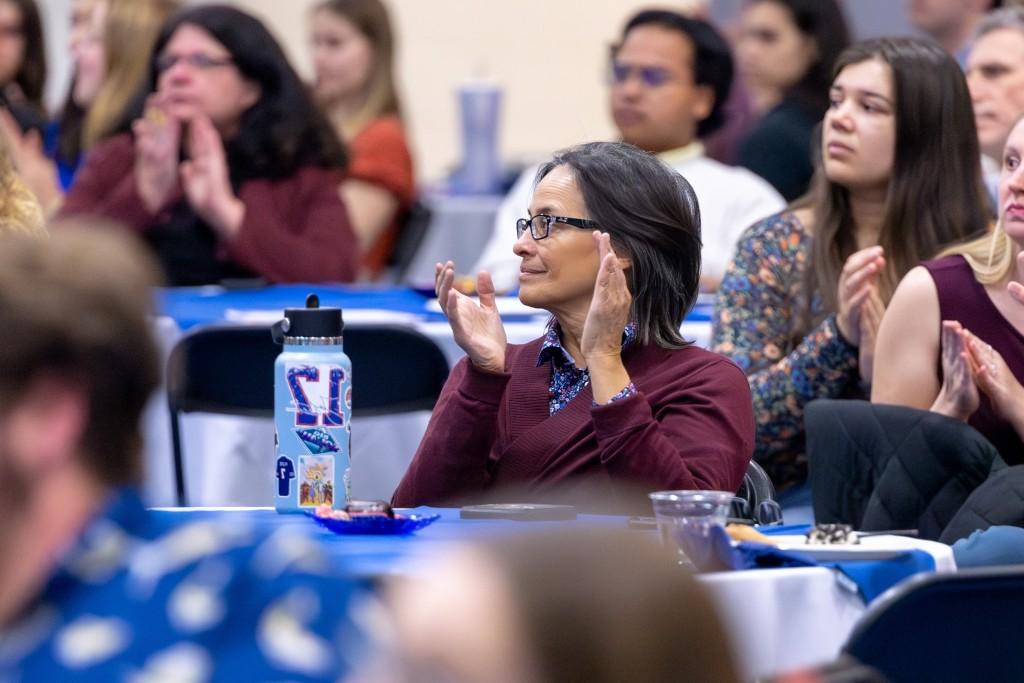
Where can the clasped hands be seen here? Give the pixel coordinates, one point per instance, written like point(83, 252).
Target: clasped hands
point(478, 330)
point(970, 365)
point(204, 177)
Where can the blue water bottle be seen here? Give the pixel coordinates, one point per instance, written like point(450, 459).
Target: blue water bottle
point(312, 410)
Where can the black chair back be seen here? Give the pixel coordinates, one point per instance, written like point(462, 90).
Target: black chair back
point(229, 370)
point(961, 626)
point(755, 499)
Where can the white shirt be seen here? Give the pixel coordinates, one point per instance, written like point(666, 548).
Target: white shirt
point(730, 200)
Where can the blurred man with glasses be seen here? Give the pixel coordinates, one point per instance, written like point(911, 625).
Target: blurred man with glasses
point(670, 76)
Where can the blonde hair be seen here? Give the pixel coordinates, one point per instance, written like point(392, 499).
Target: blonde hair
point(370, 17)
point(991, 256)
point(130, 29)
point(20, 212)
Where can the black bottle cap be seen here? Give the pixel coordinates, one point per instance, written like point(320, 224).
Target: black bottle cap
point(313, 321)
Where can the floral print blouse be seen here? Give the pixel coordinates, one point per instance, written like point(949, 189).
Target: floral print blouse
point(754, 324)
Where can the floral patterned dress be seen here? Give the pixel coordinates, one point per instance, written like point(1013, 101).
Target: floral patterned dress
point(754, 324)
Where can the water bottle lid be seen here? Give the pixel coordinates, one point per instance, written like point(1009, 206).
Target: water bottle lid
point(313, 321)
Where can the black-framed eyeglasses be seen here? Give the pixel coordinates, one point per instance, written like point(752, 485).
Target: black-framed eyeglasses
point(650, 76)
point(540, 225)
point(197, 60)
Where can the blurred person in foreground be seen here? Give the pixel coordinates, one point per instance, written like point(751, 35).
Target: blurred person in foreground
point(611, 397)
point(225, 168)
point(596, 605)
point(353, 59)
point(670, 78)
point(92, 587)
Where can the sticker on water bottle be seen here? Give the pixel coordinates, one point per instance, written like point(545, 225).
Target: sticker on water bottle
point(285, 474)
point(316, 485)
point(318, 440)
point(315, 402)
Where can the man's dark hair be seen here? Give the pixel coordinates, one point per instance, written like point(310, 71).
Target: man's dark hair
point(712, 59)
point(651, 214)
point(75, 307)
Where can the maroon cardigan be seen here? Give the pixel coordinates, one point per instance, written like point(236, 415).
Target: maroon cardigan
point(691, 426)
point(295, 229)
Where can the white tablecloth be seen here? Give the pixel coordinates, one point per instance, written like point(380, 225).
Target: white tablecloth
point(785, 619)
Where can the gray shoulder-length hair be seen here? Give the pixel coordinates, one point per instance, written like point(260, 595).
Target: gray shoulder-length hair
point(651, 214)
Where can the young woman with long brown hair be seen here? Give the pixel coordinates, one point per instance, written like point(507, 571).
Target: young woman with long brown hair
point(800, 305)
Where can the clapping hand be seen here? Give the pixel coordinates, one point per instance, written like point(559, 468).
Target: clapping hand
point(477, 327)
point(609, 307)
point(205, 179)
point(958, 396)
point(994, 377)
point(157, 141)
point(857, 282)
point(1016, 289)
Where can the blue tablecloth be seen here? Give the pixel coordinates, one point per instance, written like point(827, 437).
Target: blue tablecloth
point(375, 556)
point(191, 306)
point(368, 557)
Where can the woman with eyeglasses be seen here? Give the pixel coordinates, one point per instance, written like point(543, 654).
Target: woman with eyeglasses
point(612, 398)
point(224, 167)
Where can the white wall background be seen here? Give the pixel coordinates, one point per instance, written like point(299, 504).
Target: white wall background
point(549, 55)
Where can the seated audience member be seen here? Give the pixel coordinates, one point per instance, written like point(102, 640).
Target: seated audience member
point(353, 56)
point(92, 586)
point(111, 44)
point(228, 170)
point(670, 78)
point(595, 605)
point(19, 210)
point(22, 63)
point(800, 305)
point(951, 341)
point(995, 76)
point(612, 397)
point(786, 52)
point(950, 23)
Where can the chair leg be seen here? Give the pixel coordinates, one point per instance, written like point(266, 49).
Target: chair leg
point(179, 468)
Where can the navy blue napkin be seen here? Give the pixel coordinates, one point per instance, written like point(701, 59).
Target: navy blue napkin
point(871, 577)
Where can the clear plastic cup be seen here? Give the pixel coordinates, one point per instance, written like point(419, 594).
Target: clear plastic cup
point(689, 513)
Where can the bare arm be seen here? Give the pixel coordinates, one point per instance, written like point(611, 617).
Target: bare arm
point(371, 208)
point(907, 348)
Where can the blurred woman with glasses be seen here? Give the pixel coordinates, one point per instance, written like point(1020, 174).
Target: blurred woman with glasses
point(353, 58)
point(612, 398)
point(224, 165)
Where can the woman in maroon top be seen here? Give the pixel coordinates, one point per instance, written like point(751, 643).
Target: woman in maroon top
point(228, 169)
point(952, 340)
point(612, 399)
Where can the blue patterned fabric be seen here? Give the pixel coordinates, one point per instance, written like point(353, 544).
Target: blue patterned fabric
point(138, 599)
point(567, 380)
